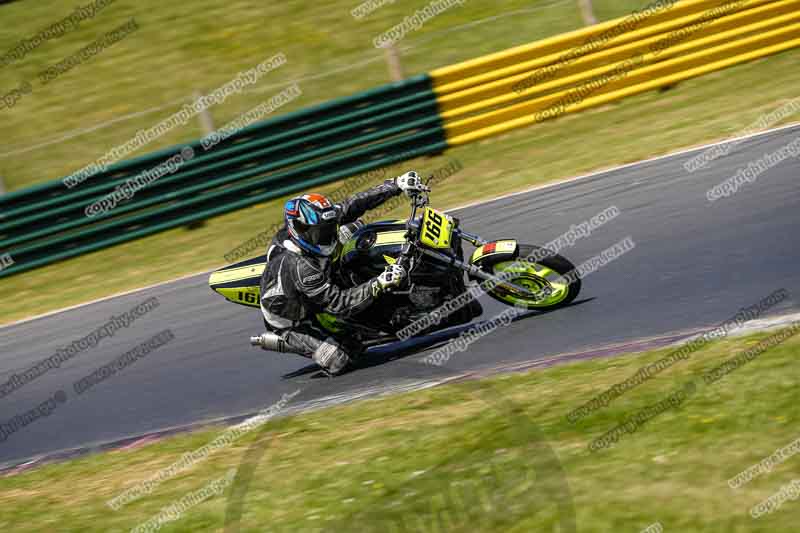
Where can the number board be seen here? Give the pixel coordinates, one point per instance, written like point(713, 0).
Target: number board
point(437, 228)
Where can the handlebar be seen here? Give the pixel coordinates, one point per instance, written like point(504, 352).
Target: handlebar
point(418, 200)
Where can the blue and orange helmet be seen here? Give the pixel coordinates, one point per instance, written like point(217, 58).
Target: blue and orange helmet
point(312, 221)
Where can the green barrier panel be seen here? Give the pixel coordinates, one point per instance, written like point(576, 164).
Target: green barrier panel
point(48, 226)
point(86, 195)
point(292, 140)
point(74, 204)
point(24, 263)
point(231, 193)
point(328, 142)
point(303, 117)
point(57, 227)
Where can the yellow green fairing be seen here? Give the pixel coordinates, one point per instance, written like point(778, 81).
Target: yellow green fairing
point(329, 322)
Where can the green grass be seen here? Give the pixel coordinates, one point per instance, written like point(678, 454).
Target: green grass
point(178, 50)
point(209, 44)
point(491, 455)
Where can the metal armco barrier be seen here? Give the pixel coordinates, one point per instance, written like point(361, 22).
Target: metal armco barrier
point(667, 42)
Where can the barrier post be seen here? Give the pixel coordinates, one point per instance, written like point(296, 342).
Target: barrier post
point(206, 122)
point(393, 62)
point(587, 12)
point(207, 125)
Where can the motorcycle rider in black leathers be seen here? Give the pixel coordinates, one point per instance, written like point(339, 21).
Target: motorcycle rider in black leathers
point(298, 283)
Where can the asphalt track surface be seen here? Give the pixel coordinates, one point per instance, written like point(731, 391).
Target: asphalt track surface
point(695, 264)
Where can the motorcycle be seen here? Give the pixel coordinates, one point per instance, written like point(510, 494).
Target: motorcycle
point(430, 248)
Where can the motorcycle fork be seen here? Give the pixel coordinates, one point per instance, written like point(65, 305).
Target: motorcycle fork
point(478, 272)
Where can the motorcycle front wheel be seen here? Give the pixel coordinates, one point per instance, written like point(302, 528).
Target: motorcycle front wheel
point(542, 273)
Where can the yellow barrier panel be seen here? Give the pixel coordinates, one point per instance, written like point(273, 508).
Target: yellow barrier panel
point(472, 102)
point(570, 45)
point(661, 46)
point(556, 104)
point(757, 52)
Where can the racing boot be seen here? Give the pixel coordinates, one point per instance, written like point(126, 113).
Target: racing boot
point(330, 354)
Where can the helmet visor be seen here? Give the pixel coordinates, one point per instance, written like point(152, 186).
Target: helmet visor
point(318, 234)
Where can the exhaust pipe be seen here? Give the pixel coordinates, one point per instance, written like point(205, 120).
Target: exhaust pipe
point(269, 341)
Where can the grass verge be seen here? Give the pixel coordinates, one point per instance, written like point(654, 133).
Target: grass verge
point(473, 456)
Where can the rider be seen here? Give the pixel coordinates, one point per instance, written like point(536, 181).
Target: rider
point(298, 281)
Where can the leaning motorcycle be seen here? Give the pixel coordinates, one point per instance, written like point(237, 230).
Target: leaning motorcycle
point(430, 248)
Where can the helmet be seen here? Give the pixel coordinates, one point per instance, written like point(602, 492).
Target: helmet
point(312, 222)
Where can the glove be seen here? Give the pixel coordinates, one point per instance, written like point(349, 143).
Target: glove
point(389, 278)
point(347, 231)
point(411, 184)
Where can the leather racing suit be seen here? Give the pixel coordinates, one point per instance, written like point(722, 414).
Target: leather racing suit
point(296, 285)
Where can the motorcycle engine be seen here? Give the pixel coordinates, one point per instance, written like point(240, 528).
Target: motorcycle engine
point(422, 299)
point(425, 297)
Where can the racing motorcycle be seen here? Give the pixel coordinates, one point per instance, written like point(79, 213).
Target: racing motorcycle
point(430, 248)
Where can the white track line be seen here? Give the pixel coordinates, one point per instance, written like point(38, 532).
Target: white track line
point(760, 325)
point(766, 324)
point(465, 206)
point(592, 174)
point(98, 300)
